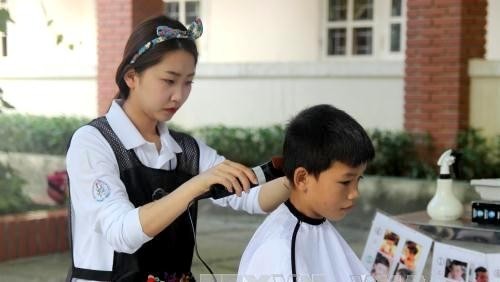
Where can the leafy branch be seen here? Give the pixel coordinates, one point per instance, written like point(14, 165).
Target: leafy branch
point(4, 18)
point(4, 104)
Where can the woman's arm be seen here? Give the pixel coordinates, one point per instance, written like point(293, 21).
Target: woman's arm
point(157, 215)
point(273, 193)
point(260, 199)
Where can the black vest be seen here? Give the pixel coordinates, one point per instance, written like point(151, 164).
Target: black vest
point(169, 254)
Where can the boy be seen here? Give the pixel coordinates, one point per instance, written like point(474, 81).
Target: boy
point(481, 274)
point(325, 154)
point(409, 257)
point(389, 245)
point(380, 268)
point(456, 271)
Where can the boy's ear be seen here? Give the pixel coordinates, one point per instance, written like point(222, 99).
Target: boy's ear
point(130, 78)
point(300, 177)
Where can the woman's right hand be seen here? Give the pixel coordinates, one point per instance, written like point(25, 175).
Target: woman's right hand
point(233, 176)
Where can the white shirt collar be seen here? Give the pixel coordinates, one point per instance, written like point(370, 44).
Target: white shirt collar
point(128, 133)
point(167, 139)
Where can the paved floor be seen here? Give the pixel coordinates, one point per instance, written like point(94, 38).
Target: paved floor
point(222, 237)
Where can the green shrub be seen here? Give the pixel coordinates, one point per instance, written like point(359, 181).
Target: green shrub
point(396, 154)
point(12, 199)
point(249, 146)
point(480, 157)
point(37, 134)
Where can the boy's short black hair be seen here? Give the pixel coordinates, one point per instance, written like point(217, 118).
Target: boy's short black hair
point(412, 247)
point(321, 135)
point(480, 269)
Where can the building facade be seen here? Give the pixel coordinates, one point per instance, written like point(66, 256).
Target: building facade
point(420, 65)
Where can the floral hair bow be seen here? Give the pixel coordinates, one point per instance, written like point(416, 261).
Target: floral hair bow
point(164, 33)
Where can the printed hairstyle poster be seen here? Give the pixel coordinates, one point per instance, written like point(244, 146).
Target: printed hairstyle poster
point(455, 264)
point(395, 252)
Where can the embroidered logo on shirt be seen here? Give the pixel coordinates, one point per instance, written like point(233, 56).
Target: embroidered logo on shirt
point(100, 190)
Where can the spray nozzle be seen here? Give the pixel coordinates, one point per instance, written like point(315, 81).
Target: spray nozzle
point(445, 161)
point(449, 158)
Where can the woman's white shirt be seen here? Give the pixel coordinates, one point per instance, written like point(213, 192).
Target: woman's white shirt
point(103, 218)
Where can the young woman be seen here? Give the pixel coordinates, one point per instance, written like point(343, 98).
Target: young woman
point(132, 179)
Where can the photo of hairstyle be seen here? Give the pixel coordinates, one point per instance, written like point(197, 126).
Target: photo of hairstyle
point(455, 270)
point(380, 268)
point(389, 244)
point(410, 255)
point(480, 274)
point(402, 274)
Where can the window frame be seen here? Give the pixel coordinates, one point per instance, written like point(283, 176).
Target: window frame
point(182, 9)
point(381, 31)
point(397, 20)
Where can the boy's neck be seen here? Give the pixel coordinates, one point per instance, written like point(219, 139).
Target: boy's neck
point(302, 206)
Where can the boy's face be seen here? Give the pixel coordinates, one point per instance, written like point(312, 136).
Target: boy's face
point(455, 272)
point(409, 256)
point(481, 276)
point(379, 272)
point(333, 193)
point(388, 246)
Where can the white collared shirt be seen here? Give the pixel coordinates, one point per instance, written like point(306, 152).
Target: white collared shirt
point(107, 221)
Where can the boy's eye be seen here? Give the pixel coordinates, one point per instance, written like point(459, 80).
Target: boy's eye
point(189, 83)
point(169, 81)
point(347, 182)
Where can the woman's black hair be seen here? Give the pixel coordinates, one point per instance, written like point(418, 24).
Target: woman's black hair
point(142, 34)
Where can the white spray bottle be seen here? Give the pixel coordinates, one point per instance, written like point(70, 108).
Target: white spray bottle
point(444, 205)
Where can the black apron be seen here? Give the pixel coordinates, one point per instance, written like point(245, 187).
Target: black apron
point(169, 254)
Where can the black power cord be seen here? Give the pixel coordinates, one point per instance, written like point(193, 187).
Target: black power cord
point(196, 244)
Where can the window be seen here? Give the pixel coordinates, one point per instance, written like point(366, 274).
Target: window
point(336, 45)
point(362, 41)
point(172, 10)
point(337, 10)
point(192, 11)
point(350, 27)
point(182, 10)
point(395, 37)
point(364, 28)
point(363, 10)
point(395, 26)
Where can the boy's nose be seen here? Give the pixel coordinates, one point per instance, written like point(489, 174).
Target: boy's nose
point(354, 193)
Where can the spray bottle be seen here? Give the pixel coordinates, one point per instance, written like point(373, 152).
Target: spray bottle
point(444, 205)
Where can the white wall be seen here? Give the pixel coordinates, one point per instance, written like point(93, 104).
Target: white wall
point(58, 89)
point(30, 40)
point(40, 77)
point(260, 30)
point(485, 96)
point(265, 94)
point(493, 30)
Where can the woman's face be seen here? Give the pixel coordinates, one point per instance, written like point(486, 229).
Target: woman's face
point(159, 91)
